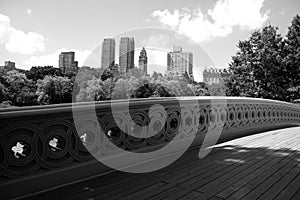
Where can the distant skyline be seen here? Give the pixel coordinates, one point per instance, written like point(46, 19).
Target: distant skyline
point(34, 32)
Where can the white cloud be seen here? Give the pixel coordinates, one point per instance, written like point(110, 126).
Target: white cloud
point(17, 41)
point(218, 21)
point(52, 59)
point(245, 14)
point(168, 18)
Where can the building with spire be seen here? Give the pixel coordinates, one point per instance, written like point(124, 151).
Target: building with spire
point(143, 61)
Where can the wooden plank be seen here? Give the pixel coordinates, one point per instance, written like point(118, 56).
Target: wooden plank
point(296, 196)
point(163, 195)
point(152, 194)
point(229, 179)
point(111, 196)
point(241, 179)
point(143, 192)
point(290, 190)
point(281, 184)
point(254, 188)
point(258, 191)
point(116, 180)
point(198, 181)
point(192, 195)
point(171, 173)
point(135, 183)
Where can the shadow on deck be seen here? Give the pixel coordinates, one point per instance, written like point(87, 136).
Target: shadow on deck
point(261, 166)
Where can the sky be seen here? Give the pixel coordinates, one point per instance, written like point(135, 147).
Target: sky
point(34, 32)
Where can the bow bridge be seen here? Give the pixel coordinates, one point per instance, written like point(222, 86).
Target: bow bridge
point(161, 148)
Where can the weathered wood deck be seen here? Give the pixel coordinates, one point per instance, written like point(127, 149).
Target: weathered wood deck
point(261, 166)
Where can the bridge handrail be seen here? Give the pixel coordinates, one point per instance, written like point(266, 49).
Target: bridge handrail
point(41, 143)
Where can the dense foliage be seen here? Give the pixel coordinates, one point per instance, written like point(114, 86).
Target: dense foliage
point(133, 86)
point(48, 85)
point(267, 65)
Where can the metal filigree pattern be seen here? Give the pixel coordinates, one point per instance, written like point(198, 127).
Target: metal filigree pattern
point(50, 142)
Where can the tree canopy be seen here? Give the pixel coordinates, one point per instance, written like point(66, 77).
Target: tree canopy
point(267, 64)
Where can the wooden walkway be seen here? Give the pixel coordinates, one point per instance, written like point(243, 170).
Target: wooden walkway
point(261, 166)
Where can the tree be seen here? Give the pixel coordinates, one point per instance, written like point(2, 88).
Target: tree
point(5, 104)
point(292, 58)
point(294, 93)
point(36, 73)
point(97, 90)
point(124, 88)
point(54, 89)
point(144, 91)
point(89, 91)
point(156, 75)
point(257, 67)
point(20, 90)
point(216, 90)
point(107, 74)
point(162, 91)
point(2, 75)
point(108, 87)
point(178, 87)
point(3, 93)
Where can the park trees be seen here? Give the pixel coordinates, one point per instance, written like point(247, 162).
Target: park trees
point(257, 69)
point(18, 89)
point(292, 59)
point(54, 89)
point(267, 65)
point(39, 72)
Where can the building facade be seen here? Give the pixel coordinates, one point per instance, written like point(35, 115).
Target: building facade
point(126, 54)
point(180, 62)
point(67, 62)
point(9, 65)
point(215, 76)
point(108, 53)
point(143, 61)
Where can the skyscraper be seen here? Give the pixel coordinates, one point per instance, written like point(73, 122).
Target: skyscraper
point(180, 62)
point(126, 54)
point(67, 62)
point(108, 53)
point(143, 60)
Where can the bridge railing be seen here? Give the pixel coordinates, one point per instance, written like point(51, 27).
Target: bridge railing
point(42, 147)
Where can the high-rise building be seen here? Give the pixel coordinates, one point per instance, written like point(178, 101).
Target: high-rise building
point(8, 65)
point(143, 60)
point(67, 62)
point(180, 62)
point(126, 54)
point(108, 53)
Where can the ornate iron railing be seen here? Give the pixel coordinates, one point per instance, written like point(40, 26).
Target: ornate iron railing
point(41, 145)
